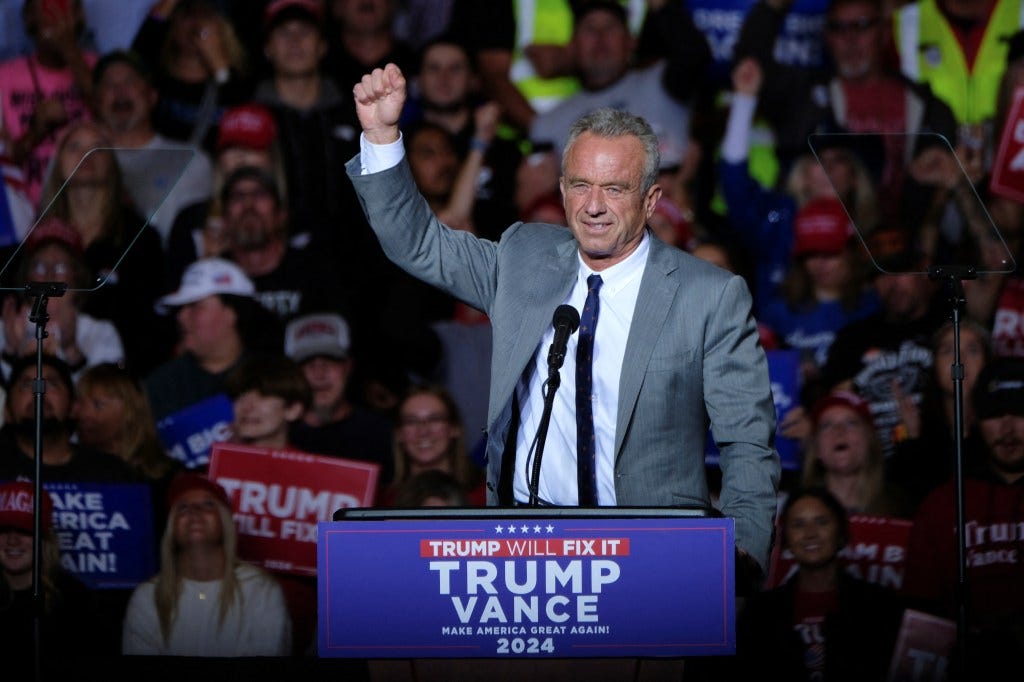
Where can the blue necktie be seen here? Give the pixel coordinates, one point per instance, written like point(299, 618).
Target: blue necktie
point(585, 444)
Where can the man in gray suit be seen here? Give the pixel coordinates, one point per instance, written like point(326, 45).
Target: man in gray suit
point(674, 345)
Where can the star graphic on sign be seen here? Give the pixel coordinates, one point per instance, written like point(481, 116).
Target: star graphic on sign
point(550, 528)
point(511, 529)
point(536, 529)
point(525, 528)
point(498, 529)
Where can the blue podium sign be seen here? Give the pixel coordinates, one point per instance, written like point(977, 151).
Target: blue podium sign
point(526, 586)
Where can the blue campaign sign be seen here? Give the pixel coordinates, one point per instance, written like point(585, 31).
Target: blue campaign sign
point(784, 375)
point(189, 434)
point(105, 532)
point(799, 43)
point(540, 586)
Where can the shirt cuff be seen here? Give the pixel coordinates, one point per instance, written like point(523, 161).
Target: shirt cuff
point(375, 158)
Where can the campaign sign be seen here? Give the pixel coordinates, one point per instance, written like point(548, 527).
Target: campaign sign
point(876, 552)
point(1008, 167)
point(530, 586)
point(189, 434)
point(798, 44)
point(278, 497)
point(105, 532)
point(784, 375)
point(923, 648)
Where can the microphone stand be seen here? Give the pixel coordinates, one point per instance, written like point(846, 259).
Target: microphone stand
point(41, 292)
point(952, 277)
point(550, 386)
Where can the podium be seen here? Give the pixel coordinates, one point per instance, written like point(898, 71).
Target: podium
point(525, 584)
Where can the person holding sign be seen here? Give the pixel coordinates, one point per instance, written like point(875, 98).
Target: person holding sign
point(269, 393)
point(823, 623)
point(676, 348)
point(205, 601)
point(70, 629)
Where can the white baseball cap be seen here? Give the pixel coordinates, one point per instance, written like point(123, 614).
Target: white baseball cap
point(319, 334)
point(206, 277)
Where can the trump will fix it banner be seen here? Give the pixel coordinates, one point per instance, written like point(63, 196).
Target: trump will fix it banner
point(278, 497)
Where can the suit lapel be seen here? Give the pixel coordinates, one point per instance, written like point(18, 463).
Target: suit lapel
point(657, 290)
point(545, 286)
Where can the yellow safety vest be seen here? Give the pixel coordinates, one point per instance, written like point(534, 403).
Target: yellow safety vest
point(550, 22)
point(929, 53)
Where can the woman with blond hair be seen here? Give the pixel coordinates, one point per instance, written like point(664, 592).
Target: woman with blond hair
point(205, 601)
point(84, 188)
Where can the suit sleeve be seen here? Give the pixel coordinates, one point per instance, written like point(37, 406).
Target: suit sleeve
point(737, 394)
point(412, 237)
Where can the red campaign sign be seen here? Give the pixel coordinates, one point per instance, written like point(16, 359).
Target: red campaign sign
point(876, 552)
point(1008, 167)
point(923, 648)
point(278, 497)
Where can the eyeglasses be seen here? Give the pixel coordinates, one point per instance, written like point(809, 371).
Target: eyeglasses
point(431, 420)
point(859, 25)
point(41, 268)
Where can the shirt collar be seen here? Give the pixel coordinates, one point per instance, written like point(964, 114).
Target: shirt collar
point(619, 275)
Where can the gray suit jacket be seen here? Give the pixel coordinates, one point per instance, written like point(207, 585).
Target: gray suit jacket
point(692, 356)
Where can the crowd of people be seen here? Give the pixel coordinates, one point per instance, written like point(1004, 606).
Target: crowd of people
point(187, 183)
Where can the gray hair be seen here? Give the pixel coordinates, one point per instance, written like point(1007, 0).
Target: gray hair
point(608, 122)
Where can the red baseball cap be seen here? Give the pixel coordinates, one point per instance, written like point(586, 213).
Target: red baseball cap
point(279, 11)
point(821, 226)
point(247, 125)
point(186, 482)
point(17, 500)
point(847, 399)
point(54, 229)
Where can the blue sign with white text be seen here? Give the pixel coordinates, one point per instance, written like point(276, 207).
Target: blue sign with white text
point(526, 587)
point(105, 532)
point(189, 434)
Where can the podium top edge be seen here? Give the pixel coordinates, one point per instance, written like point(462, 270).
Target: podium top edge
point(412, 513)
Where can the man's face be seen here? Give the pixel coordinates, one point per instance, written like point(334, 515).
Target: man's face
point(252, 215)
point(328, 378)
point(207, 326)
point(261, 417)
point(601, 194)
point(56, 399)
point(124, 99)
point(905, 297)
point(602, 46)
point(363, 15)
point(295, 48)
point(1004, 437)
point(854, 35)
point(433, 162)
point(445, 77)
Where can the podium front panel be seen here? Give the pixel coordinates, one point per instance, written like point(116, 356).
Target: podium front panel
point(531, 585)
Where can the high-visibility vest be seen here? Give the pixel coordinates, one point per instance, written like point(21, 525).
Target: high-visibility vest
point(550, 22)
point(930, 53)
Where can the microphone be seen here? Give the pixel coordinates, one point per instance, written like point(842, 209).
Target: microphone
point(566, 321)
